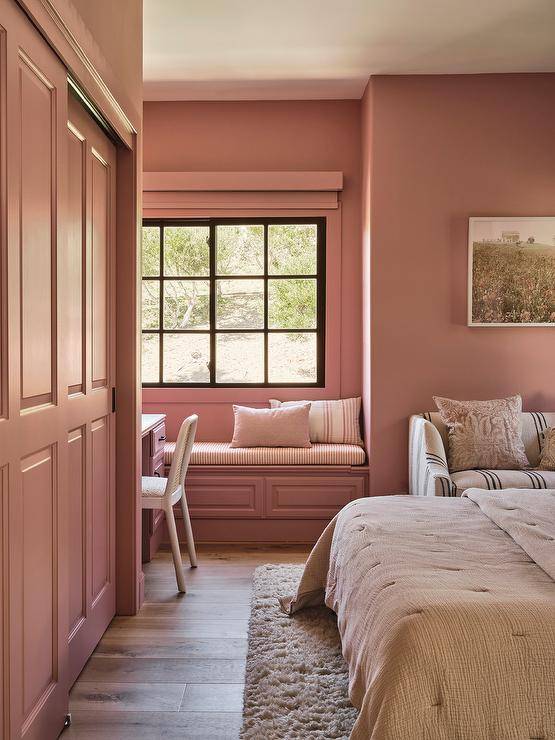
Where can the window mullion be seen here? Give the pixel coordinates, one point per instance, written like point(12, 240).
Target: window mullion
point(321, 302)
point(266, 303)
point(161, 309)
point(212, 323)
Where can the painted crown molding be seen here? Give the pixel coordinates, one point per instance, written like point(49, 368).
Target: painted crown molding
point(53, 26)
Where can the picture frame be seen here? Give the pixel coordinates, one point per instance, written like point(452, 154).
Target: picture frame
point(511, 271)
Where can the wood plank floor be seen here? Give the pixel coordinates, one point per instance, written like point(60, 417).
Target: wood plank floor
point(176, 670)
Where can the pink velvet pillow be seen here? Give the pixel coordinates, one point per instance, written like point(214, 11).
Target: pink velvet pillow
point(283, 427)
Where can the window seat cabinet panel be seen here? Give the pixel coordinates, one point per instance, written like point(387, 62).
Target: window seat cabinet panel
point(265, 504)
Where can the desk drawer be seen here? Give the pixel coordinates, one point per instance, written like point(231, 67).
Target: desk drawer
point(157, 440)
point(158, 468)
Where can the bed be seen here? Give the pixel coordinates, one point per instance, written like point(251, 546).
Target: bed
point(446, 611)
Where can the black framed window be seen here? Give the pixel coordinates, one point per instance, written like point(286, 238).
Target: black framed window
point(233, 302)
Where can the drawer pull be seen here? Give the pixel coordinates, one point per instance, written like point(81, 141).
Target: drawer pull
point(162, 439)
point(157, 474)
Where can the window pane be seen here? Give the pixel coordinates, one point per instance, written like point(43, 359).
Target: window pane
point(240, 358)
point(292, 304)
point(240, 304)
point(186, 250)
point(186, 304)
point(151, 358)
point(292, 249)
point(151, 304)
point(292, 358)
point(186, 358)
point(151, 250)
point(239, 250)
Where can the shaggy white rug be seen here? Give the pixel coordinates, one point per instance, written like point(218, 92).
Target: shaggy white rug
point(296, 680)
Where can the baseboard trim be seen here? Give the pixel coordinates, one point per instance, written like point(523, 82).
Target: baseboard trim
point(204, 544)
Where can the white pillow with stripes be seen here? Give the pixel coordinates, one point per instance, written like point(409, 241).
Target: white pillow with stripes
point(331, 422)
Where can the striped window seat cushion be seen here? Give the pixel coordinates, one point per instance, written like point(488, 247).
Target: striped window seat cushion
point(220, 453)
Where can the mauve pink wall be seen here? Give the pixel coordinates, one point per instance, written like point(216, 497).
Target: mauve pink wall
point(366, 145)
point(111, 33)
point(264, 136)
point(444, 148)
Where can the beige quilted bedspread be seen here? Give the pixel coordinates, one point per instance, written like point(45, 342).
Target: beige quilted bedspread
point(446, 610)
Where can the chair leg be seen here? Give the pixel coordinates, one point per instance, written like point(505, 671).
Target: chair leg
point(188, 531)
point(176, 552)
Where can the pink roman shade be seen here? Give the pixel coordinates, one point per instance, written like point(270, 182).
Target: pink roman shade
point(198, 191)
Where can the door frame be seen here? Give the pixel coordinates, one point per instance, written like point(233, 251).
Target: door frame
point(46, 18)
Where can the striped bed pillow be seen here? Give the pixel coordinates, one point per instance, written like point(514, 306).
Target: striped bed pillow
point(331, 422)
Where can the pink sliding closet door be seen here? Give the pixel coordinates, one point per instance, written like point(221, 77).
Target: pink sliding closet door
point(57, 370)
point(33, 411)
point(91, 430)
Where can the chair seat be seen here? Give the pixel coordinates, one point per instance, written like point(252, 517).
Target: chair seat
point(221, 453)
point(500, 479)
point(153, 487)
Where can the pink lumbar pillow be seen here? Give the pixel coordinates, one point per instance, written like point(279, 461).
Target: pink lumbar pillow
point(283, 427)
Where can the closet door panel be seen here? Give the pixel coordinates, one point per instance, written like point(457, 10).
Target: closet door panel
point(37, 106)
point(100, 184)
point(77, 531)
point(39, 495)
point(76, 267)
point(4, 715)
point(101, 507)
point(3, 234)
point(4, 468)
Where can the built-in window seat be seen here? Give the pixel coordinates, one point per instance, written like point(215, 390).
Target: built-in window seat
point(221, 453)
point(265, 494)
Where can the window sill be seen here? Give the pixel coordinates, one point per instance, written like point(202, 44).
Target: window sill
point(238, 394)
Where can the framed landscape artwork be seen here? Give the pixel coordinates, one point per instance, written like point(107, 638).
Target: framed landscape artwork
point(511, 271)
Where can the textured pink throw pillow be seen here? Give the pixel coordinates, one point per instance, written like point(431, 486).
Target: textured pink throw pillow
point(484, 434)
point(283, 427)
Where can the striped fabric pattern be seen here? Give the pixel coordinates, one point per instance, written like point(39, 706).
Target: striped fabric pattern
point(497, 480)
point(429, 473)
point(220, 453)
point(331, 422)
point(534, 423)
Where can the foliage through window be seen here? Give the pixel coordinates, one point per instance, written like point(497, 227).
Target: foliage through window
point(229, 303)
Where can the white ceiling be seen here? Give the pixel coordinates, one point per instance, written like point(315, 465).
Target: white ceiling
point(327, 49)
